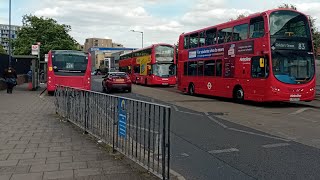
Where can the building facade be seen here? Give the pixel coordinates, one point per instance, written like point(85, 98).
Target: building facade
point(4, 35)
point(99, 42)
point(107, 59)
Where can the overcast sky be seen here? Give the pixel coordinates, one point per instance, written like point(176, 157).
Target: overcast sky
point(160, 20)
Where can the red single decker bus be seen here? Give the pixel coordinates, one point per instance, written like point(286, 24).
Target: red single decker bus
point(69, 68)
point(153, 65)
point(264, 57)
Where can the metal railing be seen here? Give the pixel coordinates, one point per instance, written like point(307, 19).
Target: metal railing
point(137, 129)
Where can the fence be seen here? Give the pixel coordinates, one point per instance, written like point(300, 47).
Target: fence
point(137, 129)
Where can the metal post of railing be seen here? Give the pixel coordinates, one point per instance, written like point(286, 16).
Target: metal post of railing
point(86, 113)
point(113, 125)
point(164, 145)
point(168, 144)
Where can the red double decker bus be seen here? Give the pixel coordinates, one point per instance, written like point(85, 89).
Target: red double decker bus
point(153, 65)
point(266, 56)
point(69, 68)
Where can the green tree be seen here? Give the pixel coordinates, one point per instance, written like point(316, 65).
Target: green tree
point(2, 51)
point(47, 31)
point(240, 16)
point(288, 6)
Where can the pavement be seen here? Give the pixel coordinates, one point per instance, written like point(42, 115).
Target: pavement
point(36, 144)
point(205, 146)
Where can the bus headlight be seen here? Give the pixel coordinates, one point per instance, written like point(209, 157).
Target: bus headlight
point(311, 89)
point(88, 79)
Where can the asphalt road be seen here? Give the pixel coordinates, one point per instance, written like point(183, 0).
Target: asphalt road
point(204, 146)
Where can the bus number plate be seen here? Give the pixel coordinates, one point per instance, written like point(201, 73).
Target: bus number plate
point(294, 99)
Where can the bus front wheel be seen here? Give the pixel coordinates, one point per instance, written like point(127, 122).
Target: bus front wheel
point(191, 89)
point(238, 94)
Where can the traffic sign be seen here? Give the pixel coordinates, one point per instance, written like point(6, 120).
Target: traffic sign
point(122, 118)
point(35, 49)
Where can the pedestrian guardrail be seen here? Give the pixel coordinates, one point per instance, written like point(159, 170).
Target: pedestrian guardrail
point(139, 130)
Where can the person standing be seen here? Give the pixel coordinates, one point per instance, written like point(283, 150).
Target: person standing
point(10, 76)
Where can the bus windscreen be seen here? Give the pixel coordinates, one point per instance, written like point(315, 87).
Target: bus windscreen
point(69, 63)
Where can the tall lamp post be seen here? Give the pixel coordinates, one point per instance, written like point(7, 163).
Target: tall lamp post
point(141, 34)
point(9, 45)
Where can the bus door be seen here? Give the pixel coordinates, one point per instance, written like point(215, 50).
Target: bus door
point(259, 73)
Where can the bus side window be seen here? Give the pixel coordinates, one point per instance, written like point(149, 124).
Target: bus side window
point(136, 69)
point(259, 67)
point(194, 40)
point(225, 35)
point(218, 68)
point(209, 68)
point(202, 39)
point(192, 68)
point(211, 37)
point(240, 32)
point(257, 27)
point(186, 42)
point(200, 68)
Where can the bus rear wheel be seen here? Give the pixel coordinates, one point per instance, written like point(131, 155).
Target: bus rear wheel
point(238, 94)
point(191, 89)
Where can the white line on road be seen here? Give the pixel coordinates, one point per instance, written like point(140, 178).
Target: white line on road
point(262, 135)
point(176, 109)
point(216, 121)
point(275, 145)
point(223, 151)
point(185, 155)
point(299, 111)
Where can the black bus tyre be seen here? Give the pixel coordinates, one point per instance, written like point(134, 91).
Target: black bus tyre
point(238, 94)
point(191, 89)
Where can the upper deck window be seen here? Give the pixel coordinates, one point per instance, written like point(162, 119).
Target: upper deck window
point(257, 27)
point(240, 32)
point(211, 37)
point(286, 23)
point(225, 35)
point(194, 39)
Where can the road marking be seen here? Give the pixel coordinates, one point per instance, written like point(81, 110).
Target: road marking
point(177, 175)
point(275, 145)
point(299, 111)
point(216, 121)
point(185, 155)
point(176, 109)
point(262, 135)
point(223, 151)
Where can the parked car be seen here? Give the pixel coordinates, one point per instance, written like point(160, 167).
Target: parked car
point(116, 81)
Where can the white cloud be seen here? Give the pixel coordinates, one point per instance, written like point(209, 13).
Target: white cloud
point(50, 12)
point(115, 18)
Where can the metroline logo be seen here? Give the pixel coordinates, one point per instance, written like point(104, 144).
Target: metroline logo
point(245, 59)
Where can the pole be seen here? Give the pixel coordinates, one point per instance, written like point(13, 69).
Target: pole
point(142, 39)
point(9, 45)
point(38, 67)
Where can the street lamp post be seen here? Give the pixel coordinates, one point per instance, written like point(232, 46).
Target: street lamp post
point(141, 34)
point(9, 45)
